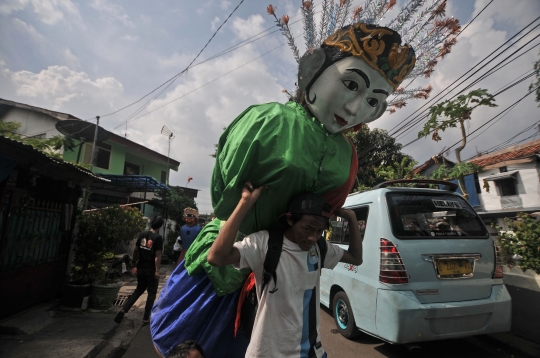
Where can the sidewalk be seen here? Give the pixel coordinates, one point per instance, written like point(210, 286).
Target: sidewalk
point(49, 331)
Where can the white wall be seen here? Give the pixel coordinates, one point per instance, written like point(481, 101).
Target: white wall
point(528, 186)
point(32, 123)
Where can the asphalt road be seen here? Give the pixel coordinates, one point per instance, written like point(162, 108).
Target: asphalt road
point(366, 346)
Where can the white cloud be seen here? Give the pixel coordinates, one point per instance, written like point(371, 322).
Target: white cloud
point(198, 119)
point(224, 4)
point(112, 13)
point(129, 38)
point(52, 11)
point(28, 30)
point(245, 28)
point(61, 89)
point(145, 19)
point(9, 6)
point(71, 59)
point(214, 24)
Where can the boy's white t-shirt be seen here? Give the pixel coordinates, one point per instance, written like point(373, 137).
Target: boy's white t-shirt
point(287, 322)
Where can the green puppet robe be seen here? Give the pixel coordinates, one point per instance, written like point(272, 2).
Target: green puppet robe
point(282, 147)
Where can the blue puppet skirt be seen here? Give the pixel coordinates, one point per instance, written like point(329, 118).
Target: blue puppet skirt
point(189, 308)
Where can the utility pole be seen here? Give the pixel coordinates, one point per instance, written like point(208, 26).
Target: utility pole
point(94, 155)
point(166, 131)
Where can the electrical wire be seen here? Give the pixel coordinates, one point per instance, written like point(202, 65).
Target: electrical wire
point(172, 79)
point(206, 84)
point(419, 120)
point(407, 122)
point(509, 108)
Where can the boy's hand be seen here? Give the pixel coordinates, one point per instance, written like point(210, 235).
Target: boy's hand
point(346, 213)
point(250, 195)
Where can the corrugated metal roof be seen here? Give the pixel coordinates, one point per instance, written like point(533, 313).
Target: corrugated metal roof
point(61, 162)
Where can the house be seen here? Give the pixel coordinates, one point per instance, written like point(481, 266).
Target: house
point(513, 178)
point(135, 172)
point(39, 196)
point(471, 181)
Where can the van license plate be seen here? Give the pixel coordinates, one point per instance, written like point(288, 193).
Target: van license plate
point(454, 268)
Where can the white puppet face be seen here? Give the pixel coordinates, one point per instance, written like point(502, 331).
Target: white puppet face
point(348, 93)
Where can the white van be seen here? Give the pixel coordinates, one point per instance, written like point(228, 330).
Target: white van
point(430, 270)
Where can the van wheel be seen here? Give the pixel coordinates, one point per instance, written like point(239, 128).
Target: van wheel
point(343, 316)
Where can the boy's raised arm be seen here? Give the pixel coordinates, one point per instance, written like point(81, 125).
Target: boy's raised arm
point(222, 251)
point(354, 254)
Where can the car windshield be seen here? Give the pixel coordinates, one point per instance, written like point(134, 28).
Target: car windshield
point(433, 216)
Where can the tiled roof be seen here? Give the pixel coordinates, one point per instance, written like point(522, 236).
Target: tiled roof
point(440, 160)
point(515, 152)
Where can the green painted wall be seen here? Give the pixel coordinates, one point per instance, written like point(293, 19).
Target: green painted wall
point(119, 156)
point(147, 167)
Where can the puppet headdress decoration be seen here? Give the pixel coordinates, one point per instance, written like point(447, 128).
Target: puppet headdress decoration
point(418, 23)
point(191, 211)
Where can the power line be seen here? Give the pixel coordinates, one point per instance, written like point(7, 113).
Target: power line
point(445, 89)
point(489, 121)
point(417, 120)
point(180, 73)
point(206, 84)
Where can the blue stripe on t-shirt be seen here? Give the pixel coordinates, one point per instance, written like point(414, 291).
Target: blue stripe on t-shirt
point(305, 344)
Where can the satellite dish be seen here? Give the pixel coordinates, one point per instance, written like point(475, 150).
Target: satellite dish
point(81, 130)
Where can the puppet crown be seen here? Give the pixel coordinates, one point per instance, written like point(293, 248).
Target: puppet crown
point(191, 211)
point(380, 47)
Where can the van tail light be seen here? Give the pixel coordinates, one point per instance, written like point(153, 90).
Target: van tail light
point(498, 272)
point(392, 269)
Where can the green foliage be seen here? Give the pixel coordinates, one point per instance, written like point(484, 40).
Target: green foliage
point(523, 238)
point(379, 158)
point(536, 85)
point(460, 169)
point(99, 233)
point(9, 130)
point(49, 146)
point(173, 203)
point(455, 112)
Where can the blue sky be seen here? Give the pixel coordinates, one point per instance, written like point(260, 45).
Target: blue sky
point(94, 57)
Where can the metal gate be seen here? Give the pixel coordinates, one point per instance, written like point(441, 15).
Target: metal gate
point(34, 251)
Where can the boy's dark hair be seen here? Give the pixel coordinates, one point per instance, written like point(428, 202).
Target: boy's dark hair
point(182, 350)
point(297, 217)
point(308, 204)
point(156, 223)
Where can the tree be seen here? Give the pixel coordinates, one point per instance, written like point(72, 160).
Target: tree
point(522, 238)
point(536, 85)
point(172, 205)
point(49, 146)
point(456, 112)
point(379, 158)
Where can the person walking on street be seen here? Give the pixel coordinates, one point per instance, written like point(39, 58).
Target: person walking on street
point(189, 231)
point(287, 319)
point(146, 261)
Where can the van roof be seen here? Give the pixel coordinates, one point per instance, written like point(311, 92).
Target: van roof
point(366, 196)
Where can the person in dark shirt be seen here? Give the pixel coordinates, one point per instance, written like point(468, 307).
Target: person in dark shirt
point(189, 231)
point(147, 259)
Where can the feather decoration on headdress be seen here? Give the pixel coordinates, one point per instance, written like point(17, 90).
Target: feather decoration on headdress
point(284, 27)
point(419, 23)
point(309, 24)
point(324, 22)
point(401, 95)
point(405, 14)
point(345, 6)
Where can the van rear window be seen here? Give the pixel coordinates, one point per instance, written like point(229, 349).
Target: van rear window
point(433, 216)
